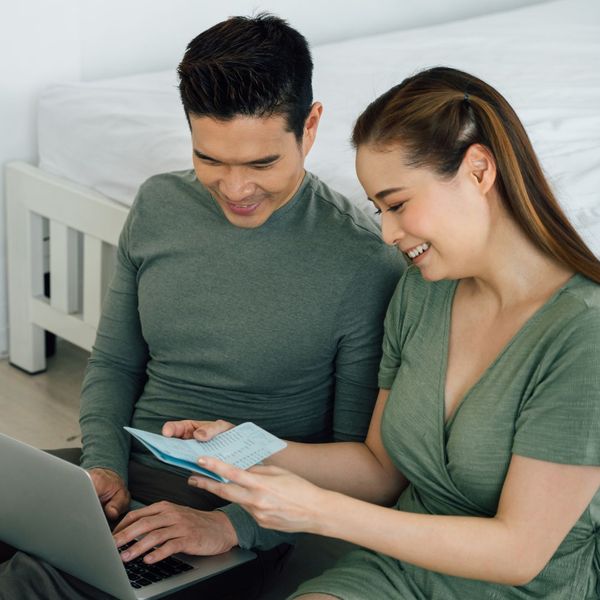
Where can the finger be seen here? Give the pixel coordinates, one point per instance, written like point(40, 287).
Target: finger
point(164, 551)
point(101, 482)
point(135, 515)
point(223, 490)
point(267, 470)
point(118, 504)
point(209, 429)
point(180, 429)
point(145, 544)
point(129, 533)
point(228, 491)
point(229, 472)
point(140, 521)
point(151, 532)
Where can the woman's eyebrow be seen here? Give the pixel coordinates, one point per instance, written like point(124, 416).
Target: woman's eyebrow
point(383, 193)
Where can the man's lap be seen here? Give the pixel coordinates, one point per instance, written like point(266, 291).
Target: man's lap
point(26, 577)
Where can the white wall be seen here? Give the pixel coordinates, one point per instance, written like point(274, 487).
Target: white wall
point(43, 41)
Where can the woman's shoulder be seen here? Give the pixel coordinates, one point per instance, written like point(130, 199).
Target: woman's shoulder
point(415, 296)
point(570, 322)
point(577, 307)
point(583, 292)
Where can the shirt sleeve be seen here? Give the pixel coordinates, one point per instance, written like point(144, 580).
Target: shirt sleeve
point(250, 534)
point(359, 334)
point(560, 420)
point(392, 344)
point(116, 372)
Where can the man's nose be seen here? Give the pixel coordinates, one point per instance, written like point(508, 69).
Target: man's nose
point(236, 185)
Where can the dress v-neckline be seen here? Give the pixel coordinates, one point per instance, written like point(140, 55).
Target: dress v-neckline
point(447, 423)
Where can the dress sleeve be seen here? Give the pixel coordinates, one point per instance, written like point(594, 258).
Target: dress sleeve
point(359, 334)
point(116, 372)
point(560, 420)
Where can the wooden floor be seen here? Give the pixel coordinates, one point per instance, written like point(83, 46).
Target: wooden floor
point(43, 410)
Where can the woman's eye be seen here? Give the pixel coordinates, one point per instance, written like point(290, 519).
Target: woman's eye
point(377, 211)
point(394, 208)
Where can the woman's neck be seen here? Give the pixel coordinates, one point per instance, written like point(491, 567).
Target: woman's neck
point(513, 270)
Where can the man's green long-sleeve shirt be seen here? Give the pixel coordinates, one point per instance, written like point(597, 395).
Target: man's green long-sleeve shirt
point(280, 325)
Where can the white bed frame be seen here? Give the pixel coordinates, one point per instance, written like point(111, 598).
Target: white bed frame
point(84, 229)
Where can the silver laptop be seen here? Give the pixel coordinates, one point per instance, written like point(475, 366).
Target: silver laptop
point(49, 509)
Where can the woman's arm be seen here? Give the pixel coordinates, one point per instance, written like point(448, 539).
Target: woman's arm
point(362, 470)
point(539, 505)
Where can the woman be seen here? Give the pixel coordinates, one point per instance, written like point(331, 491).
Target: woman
point(486, 434)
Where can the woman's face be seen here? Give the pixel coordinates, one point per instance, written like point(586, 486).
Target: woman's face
point(441, 225)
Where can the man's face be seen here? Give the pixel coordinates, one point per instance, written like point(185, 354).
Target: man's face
point(251, 165)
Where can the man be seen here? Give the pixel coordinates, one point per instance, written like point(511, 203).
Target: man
point(245, 289)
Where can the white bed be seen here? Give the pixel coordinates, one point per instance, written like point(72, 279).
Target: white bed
point(98, 141)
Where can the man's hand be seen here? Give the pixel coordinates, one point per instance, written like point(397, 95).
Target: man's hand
point(203, 431)
point(172, 529)
point(112, 492)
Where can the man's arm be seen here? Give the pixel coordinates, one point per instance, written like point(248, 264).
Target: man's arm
point(359, 335)
point(114, 379)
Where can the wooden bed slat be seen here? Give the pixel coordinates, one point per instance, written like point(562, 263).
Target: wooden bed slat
point(98, 266)
point(64, 268)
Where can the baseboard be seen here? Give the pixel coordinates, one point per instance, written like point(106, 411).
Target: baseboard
point(3, 342)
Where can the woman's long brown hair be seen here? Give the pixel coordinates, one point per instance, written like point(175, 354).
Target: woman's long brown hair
point(437, 114)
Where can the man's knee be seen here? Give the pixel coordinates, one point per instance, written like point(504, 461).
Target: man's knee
point(6, 552)
point(20, 578)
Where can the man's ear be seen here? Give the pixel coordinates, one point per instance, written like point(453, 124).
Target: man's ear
point(310, 127)
point(479, 165)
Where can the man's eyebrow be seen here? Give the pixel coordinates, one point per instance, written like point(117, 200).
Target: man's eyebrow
point(383, 193)
point(265, 160)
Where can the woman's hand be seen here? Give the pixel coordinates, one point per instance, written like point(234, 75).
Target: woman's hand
point(276, 498)
point(203, 431)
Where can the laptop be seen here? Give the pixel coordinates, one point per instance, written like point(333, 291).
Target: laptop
point(49, 509)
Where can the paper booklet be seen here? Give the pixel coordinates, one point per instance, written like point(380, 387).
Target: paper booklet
point(243, 446)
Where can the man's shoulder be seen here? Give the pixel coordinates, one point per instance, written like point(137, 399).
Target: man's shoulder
point(171, 195)
point(336, 206)
point(171, 182)
point(353, 234)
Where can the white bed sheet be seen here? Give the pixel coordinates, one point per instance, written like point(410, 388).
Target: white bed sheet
point(111, 135)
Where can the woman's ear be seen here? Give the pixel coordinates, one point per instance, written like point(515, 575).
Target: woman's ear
point(480, 166)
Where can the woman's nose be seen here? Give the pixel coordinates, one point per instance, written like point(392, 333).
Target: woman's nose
point(391, 232)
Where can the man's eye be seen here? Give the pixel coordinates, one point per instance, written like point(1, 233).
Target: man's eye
point(262, 167)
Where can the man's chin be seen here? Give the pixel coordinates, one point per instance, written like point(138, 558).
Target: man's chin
point(251, 221)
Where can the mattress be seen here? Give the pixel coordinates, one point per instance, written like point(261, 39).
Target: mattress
point(111, 135)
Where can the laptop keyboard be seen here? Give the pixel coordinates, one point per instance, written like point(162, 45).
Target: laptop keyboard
point(140, 574)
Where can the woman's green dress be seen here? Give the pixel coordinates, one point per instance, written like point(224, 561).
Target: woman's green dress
point(540, 398)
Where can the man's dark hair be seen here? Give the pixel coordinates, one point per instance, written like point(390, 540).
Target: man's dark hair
point(253, 66)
